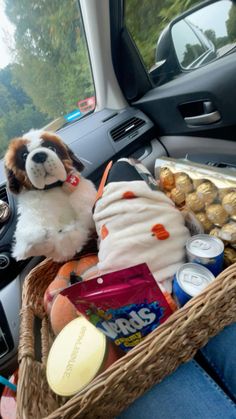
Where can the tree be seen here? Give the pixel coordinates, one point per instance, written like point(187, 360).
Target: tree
point(192, 52)
point(17, 122)
point(144, 22)
point(17, 112)
point(5, 100)
point(13, 87)
point(231, 24)
point(147, 18)
point(51, 52)
point(210, 34)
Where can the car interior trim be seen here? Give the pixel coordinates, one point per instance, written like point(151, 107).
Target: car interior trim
point(97, 24)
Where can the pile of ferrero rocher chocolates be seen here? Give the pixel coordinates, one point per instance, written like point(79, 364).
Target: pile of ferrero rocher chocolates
point(208, 193)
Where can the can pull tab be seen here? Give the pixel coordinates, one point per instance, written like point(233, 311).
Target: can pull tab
point(192, 279)
point(199, 244)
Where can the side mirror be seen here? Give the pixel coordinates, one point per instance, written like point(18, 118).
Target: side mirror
point(195, 38)
point(193, 46)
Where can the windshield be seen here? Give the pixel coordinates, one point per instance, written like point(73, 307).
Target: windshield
point(45, 75)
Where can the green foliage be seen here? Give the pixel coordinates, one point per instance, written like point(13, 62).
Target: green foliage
point(52, 70)
point(231, 24)
point(217, 41)
point(17, 112)
point(18, 122)
point(51, 51)
point(192, 52)
point(146, 20)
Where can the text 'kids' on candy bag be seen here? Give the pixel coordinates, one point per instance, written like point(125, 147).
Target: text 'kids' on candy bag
point(126, 305)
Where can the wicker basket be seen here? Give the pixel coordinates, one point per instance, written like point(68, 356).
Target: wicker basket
point(174, 342)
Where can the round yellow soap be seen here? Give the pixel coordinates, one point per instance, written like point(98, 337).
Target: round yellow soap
point(76, 357)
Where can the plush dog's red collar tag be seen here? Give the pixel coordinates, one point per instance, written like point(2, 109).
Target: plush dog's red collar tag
point(73, 179)
point(71, 182)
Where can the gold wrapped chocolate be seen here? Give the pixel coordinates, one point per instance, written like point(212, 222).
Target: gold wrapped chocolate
point(197, 182)
point(215, 186)
point(202, 217)
point(194, 203)
point(177, 196)
point(215, 232)
point(229, 256)
point(228, 232)
point(183, 182)
point(207, 191)
point(217, 214)
point(224, 191)
point(167, 179)
point(229, 203)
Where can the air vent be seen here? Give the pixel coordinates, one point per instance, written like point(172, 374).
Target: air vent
point(126, 128)
point(3, 194)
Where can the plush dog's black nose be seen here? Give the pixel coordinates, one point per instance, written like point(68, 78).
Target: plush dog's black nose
point(39, 157)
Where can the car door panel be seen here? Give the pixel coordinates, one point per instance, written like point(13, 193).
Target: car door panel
point(168, 105)
point(202, 149)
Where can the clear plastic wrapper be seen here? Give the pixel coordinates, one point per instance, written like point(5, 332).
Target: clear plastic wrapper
point(206, 195)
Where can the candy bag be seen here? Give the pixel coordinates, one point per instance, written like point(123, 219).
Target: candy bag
point(125, 305)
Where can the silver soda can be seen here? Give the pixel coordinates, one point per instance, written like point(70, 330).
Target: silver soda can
point(189, 281)
point(207, 251)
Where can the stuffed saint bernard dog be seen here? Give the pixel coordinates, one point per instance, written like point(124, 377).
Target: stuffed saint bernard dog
point(54, 201)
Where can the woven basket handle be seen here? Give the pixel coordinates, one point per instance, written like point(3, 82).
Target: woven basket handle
point(34, 287)
point(26, 344)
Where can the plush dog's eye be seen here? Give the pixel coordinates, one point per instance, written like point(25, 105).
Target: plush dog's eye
point(21, 156)
point(52, 148)
point(24, 156)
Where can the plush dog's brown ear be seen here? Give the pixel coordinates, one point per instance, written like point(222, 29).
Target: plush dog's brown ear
point(76, 161)
point(13, 183)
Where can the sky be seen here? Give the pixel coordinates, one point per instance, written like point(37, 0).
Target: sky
point(6, 30)
point(213, 17)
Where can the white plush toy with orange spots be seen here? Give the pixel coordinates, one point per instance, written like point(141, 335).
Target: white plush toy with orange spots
point(137, 223)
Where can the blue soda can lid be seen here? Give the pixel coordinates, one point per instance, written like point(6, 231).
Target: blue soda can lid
point(192, 278)
point(203, 245)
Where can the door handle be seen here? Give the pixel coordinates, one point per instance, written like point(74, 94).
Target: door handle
point(204, 119)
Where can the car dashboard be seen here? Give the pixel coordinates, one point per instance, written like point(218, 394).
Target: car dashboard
point(12, 274)
point(128, 132)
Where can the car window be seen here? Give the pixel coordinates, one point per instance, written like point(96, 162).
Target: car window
point(146, 20)
point(45, 75)
point(192, 40)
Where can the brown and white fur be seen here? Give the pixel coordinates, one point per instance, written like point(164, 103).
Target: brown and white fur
point(51, 222)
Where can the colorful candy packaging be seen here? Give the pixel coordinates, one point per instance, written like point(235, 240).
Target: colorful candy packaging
point(125, 305)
